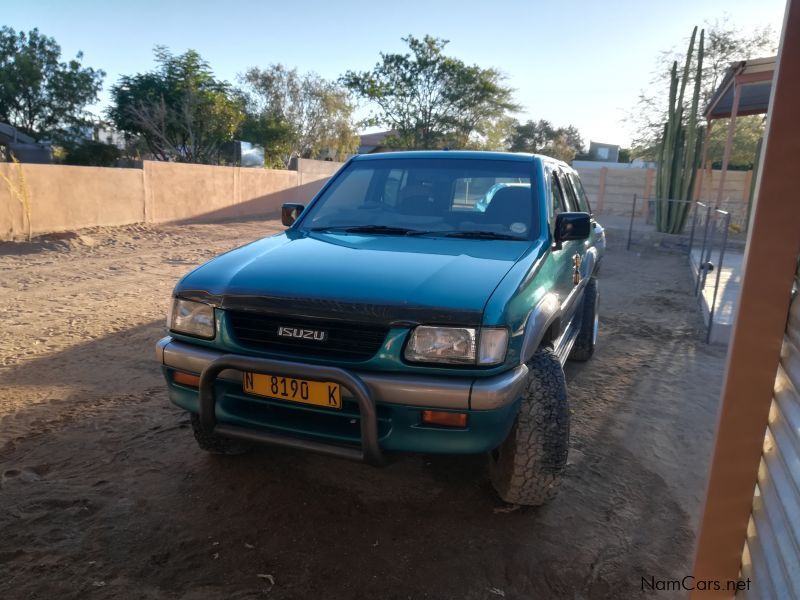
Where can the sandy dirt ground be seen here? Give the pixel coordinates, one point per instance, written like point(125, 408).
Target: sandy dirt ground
point(103, 493)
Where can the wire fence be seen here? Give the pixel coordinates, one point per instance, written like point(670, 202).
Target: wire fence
point(717, 224)
point(705, 227)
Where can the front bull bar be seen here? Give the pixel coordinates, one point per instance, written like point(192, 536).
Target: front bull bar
point(369, 452)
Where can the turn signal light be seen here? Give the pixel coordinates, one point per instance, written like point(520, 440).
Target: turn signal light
point(447, 419)
point(186, 379)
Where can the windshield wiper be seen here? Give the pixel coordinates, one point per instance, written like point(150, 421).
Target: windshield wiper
point(380, 229)
point(392, 230)
point(387, 229)
point(481, 235)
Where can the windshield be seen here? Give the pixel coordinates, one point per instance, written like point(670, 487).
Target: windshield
point(477, 198)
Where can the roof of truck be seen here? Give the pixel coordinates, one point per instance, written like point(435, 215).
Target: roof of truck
point(468, 154)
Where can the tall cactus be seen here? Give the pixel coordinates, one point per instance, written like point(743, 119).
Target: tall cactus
point(679, 149)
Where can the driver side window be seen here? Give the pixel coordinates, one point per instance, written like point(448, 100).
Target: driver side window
point(351, 192)
point(556, 195)
point(583, 201)
point(557, 205)
point(569, 193)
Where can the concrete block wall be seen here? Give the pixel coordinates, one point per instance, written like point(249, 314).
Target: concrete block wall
point(64, 198)
point(735, 192)
point(611, 190)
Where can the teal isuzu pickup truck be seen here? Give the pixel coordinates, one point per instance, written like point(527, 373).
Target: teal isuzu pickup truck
point(422, 302)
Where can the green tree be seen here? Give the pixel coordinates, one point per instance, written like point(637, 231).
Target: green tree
point(432, 100)
point(724, 44)
point(748, 131)
point(541, 137)
point(496, 135)
point(561, 148)
point(532, 136)
point(39, 94)
point(274, 134)
point(297, 115)
point(180, 109)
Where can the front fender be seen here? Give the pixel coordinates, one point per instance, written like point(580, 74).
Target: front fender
point(546, 313)
point(589, 262)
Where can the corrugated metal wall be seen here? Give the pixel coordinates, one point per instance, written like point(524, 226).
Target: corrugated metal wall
point(771, 557)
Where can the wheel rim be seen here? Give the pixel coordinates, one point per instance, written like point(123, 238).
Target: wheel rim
point(596, 323)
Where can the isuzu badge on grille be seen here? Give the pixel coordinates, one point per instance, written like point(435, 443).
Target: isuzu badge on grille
point(305, 334)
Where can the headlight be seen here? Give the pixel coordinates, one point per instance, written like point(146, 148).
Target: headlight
point(457, 345)
point(191, 318)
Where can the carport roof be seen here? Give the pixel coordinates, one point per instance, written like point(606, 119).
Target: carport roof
point(754, 77)
point(9, 134)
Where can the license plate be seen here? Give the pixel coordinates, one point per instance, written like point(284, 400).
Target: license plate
point(318, 393)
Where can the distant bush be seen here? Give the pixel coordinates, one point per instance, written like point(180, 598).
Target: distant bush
point(93, 154)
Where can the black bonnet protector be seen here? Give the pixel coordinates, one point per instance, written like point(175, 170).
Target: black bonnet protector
point(398, 315)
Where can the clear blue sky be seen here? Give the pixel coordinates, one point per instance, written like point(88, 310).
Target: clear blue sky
point(571, 62)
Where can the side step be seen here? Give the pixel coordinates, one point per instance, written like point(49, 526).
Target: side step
point(563, 345)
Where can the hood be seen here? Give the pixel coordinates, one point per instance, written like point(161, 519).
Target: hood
point(386, 279)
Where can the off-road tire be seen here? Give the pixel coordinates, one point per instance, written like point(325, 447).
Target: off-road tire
point(587, 336)
point(216, 444)
point(528, 466)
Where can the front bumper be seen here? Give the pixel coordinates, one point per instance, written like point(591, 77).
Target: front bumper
point(386, 406)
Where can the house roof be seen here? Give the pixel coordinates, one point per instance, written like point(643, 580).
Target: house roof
point(754, 78)
point(9, 135)
point(371, 141)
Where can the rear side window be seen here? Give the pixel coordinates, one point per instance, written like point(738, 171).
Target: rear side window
point(395, 180)
point(468, 192)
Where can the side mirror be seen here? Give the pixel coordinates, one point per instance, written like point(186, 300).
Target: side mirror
point(290, 212)
point(572, 226)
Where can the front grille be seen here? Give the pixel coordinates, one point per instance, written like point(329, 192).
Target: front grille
point(345, 340)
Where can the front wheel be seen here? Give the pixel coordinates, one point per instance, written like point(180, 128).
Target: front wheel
point(528, 466)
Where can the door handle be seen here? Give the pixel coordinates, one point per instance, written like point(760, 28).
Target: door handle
point(576, 271)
